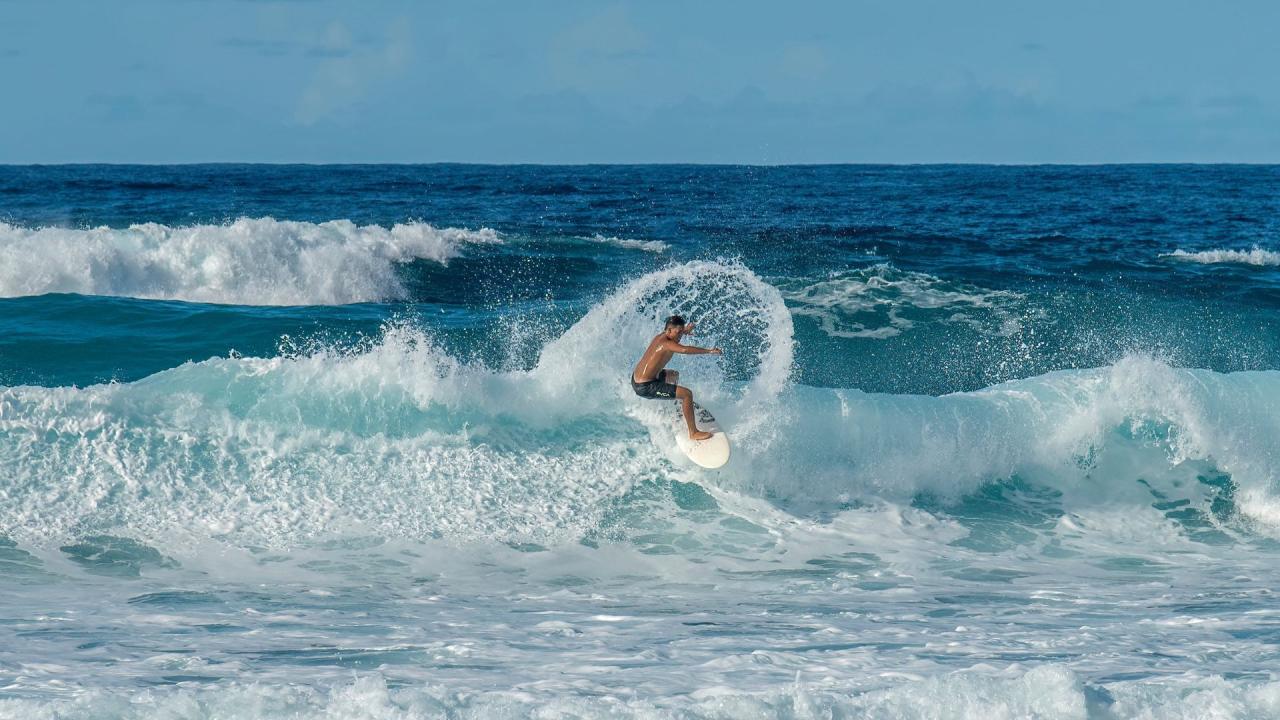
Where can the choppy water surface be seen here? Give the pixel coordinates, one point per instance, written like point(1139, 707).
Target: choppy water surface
point(354, 442)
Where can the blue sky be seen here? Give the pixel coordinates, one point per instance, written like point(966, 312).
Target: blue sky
point(897, 81)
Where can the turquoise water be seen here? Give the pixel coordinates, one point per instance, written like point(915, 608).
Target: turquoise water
point(337, 442)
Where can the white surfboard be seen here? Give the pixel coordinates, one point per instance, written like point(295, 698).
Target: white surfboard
point(710, 453)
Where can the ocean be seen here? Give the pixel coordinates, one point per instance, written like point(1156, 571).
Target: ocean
point(357, 442)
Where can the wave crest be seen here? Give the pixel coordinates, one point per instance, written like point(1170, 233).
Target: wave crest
point(1256, 256)
point(252, 261)
point(1119, 434)
point(653, 246)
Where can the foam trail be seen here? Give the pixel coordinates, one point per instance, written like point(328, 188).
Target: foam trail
point(258, 261)
point(874, 302)
point(653, 246)
point(1256, 256)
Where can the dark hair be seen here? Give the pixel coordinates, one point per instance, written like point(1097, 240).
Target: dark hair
point(675, 320)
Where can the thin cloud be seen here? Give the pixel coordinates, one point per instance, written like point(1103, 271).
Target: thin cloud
point(806, 63)
point(581, 56)
point(341, 80)
point(334, 42)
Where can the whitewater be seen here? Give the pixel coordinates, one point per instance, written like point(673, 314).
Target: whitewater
point(379, 467)
point(252, 261)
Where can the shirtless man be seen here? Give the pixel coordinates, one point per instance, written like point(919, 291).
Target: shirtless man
point(650, 380)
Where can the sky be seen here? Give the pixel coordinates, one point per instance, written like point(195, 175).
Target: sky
point(562, 81)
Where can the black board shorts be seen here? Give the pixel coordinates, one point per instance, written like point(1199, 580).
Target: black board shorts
point(655, 389)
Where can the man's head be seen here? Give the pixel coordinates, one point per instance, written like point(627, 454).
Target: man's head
point(674, 327)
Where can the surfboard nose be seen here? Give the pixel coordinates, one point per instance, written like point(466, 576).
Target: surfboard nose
point(710, 453)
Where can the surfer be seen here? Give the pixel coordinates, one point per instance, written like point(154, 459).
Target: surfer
point(651, 380)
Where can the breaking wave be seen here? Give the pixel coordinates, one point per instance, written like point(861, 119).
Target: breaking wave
point(399, 439)
point(251, 261)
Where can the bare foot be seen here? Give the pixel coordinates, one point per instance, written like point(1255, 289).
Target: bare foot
point(699, 435)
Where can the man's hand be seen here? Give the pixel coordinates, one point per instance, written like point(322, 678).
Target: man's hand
point(688, 329)
point(716, 351)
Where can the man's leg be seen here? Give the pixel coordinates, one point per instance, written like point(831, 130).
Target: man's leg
point(686, 404)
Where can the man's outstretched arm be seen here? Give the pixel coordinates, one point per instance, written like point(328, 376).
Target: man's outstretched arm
point(676, 347)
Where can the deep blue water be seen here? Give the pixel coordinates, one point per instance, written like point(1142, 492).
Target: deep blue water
point(1000, 432)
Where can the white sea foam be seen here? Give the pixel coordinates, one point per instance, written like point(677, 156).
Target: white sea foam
point(882, 301)
point(653, 246)
point(1255, 256)
point(730, 306)
point(1092, 434)
point(1047, 692)
point(258, 261)
point(395, 438)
